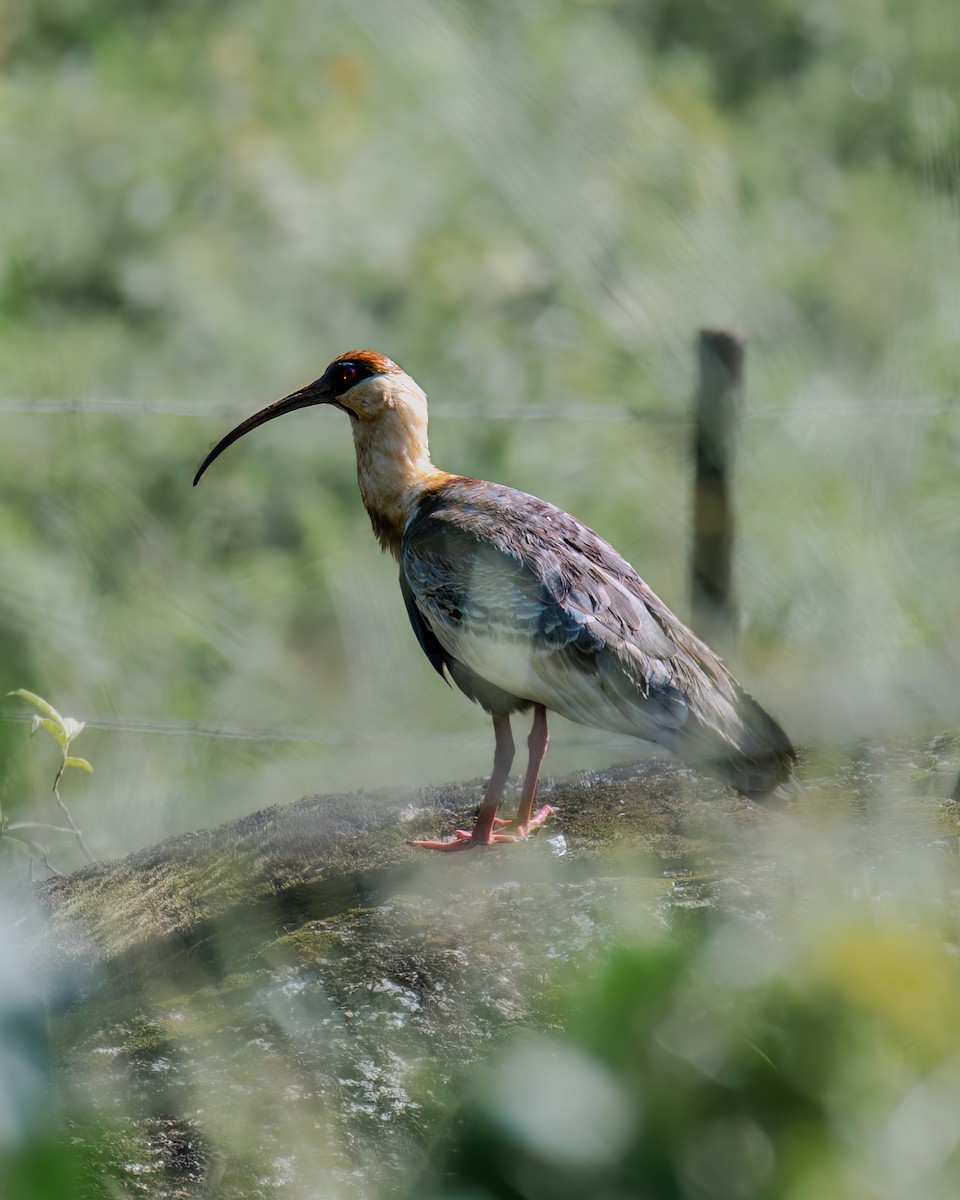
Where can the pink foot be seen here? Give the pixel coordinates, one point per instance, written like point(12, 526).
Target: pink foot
point(462, 840)
point(540, 817)
point(465, 840)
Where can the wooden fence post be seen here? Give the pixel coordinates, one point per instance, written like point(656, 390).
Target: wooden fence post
point(716, 410)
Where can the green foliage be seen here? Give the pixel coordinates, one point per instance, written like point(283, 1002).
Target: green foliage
point(702, 1065)
point(64, 730)
point(760, 45)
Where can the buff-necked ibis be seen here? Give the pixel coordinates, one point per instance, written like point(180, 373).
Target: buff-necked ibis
point(522, 606)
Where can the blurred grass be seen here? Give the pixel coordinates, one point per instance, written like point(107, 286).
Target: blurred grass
point(691, 1070)
point(796, 1038)
point(776, 1016)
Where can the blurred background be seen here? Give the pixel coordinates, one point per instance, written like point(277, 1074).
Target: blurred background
point(533, 208)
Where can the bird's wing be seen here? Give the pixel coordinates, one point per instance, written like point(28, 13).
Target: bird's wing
point(532, 601)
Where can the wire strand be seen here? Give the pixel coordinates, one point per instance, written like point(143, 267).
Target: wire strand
point(169, 727)
point(118, 406)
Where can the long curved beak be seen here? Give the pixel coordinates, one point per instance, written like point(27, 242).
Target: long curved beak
point(306, 397)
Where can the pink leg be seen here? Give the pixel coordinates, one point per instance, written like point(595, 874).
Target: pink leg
point(483, 829)
point(537, 744)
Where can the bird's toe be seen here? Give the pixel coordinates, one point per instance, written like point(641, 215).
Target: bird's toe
point(457, 842)
point(500, 830)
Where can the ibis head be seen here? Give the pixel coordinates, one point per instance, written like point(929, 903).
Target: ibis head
point(359, 382)
point(388, 415)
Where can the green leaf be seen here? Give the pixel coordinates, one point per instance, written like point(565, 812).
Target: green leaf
point(73, 761)
point(72, 727)
point(39, 722)
point(39, 703)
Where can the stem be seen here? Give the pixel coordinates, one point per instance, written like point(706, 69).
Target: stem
point(66, 812)
point(47, 863)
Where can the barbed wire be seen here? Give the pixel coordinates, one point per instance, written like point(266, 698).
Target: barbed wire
point(113, 405)
point(170, 727)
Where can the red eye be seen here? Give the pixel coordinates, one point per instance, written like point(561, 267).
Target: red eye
point(348, 373)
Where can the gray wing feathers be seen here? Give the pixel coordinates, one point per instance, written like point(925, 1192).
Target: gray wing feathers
point(520, 594)
point(530, 611)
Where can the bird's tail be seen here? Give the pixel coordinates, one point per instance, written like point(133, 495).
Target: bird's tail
point(742, 746)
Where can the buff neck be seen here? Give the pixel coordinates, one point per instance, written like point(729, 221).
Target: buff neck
point(393, 457)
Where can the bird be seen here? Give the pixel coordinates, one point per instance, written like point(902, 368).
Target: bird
point(522, 606)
